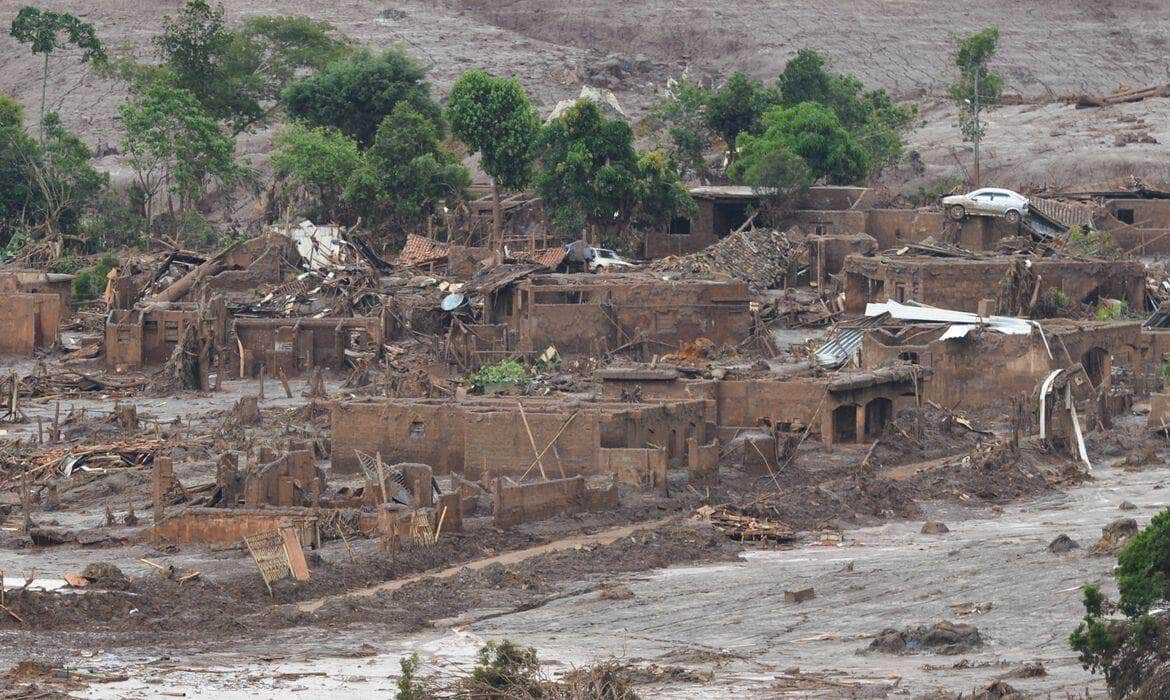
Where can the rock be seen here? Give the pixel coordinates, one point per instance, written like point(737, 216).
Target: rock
point(934, 528)
point(1063, 544)
point(998, 690)
point(105, 575)
point(1114, 536)
point(799, 596)
point(1034, 669)
point(941, 638)
point(1126, 505)
point(616, 591)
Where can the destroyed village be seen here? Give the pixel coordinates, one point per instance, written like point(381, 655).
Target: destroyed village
point(573, 350)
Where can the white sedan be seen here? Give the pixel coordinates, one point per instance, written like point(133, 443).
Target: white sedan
point(987, 201)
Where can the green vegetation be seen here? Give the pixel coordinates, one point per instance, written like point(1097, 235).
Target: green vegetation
point(736, 109)
point(174, 147)
point(503, 372)
point(977, 87)
point(237, 75)
point(406, 172)
point(355, 95)
point(1091, 242)
point(90, 284)
point(320, 159)
point(1143, 583)
point(409, 687)
point(505, 667)
point(494, 117)
point(590, 175)
point(682, 113)
point(45, 32)
point(811, 132)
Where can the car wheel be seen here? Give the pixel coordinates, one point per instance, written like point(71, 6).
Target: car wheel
point(1013, 217)
point(957, 211)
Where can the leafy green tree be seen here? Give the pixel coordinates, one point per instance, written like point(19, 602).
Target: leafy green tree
point(319, 159)
point(810, 131)
point(736, 109)
point(494, 117)
point(406, 173)
point(1143, 568)
point(18, 194)
point(45, 32)
point(356, 94)
point(683, 113)
point(659, 193)
point(877, 124)
point(591, 176)
point(173, 145)
point(773, 172)
point(238, 74)
point(977, 87)
point(67, 182)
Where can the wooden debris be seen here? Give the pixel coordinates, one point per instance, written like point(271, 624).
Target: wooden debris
point(745, 528)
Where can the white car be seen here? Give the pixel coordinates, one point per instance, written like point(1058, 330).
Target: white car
point(987, 201)
point(605, 260)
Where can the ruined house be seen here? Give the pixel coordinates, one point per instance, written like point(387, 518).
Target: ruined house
point(962, 283)
point(582, 314)
point(293, 346)
point(29, 322)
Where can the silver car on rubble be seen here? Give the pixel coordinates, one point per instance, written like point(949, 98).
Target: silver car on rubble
point(988, 201)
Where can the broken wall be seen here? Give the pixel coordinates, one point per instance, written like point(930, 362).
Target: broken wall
point(29, 322)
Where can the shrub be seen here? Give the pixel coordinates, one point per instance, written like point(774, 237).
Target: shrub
point(503, 372)
point(409, 687)
point(506, 667)
point(89, 284)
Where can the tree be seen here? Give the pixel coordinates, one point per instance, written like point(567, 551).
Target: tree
point(659, 193)
point(18, 195)
point(356, 94)
point(683, 112)
point(977, 87)
point(590, 176)
point(66, 180)
point(173, 144)
point(494, 117)
point(736, 109)
point(776, 173)
point(406, 172)
point(43, 31)
point(320, 159)
point(877, 124)
point(238, 74)
point(810, 131)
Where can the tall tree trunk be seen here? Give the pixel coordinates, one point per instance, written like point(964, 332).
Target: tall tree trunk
point(44, 93)
point(978, 179)
point(497, 216)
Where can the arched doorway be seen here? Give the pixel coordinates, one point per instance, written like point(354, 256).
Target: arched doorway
point(1096, 364)
point(845, 423)
point(877, 414)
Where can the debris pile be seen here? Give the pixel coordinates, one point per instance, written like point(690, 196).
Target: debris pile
point(745, 528)
point(763, 258)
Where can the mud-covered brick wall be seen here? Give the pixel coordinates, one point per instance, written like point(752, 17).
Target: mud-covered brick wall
point(513, 505)
point(294, 346)
point(1159, 417)
point(498, 443)
point(660, 242)
point(123, 346)
point(827, 253)
point(642, 467)
point(162, 330)
point(574, 329)
point(1141, 213)
point(449, 508)
point(788, 403)
point(702, 463)
point(213, 525)
point(894, 227)
point(292, 479)
point(402, 432)
point(29, 321)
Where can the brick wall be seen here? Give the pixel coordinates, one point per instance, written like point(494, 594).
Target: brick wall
point(216, 526)
point(643, 467)
point(29, 321)
point(522, 503)
point(702, 463)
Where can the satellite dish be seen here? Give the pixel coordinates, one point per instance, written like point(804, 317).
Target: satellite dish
point(453, 301)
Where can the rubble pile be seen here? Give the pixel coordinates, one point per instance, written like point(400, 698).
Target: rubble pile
point(763, 258)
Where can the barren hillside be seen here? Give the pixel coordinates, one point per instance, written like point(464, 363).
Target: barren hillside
point(1049, 48)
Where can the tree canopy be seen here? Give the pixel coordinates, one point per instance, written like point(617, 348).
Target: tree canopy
point(736, 109)
point(590, 175)
point(812, 132)
point(321, 159)
point(494, 117)
point(354, 95)
point(406, 172)
point(238, 74)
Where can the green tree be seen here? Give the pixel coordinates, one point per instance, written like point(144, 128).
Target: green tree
point(406, 173)
point(319, 159)
point(45, 32)
point(494, 117)
point(977, 87)
point(812, 132)
point(683, 114)
point(356, 94)
point(18, 194)
point(238, 74)
point(1143, 568)
point(877, 124)
point(659, 193)
point(172, 144)
point(66, 180)
point(736, 109)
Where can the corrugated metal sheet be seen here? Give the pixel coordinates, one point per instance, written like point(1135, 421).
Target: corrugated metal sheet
point(842, 344)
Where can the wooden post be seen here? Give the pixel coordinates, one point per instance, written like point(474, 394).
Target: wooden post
point(56, 435)
point(284, 383)
point(26, 499)
point(261, 395)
